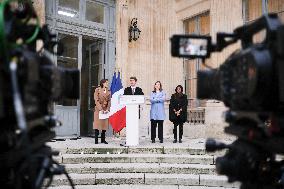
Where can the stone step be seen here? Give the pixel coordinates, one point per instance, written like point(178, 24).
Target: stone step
point(133, 150)
point(162, 168)
point(138, 187)
point(135, 158)
point(145, 179)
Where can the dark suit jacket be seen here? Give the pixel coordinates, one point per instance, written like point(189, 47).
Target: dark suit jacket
point(138, 91)
point(128, 91)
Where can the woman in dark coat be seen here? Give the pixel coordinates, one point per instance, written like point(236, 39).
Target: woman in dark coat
point(178, 111)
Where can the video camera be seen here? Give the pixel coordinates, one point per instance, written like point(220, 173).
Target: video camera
point(251, 84)
point(29, 83)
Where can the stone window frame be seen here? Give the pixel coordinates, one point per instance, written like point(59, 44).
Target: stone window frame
point(193, 101)
point(264, 10)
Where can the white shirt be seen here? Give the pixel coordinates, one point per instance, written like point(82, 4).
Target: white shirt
point(133, 89)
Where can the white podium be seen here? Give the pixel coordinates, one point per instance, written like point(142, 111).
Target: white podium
point(132, 117)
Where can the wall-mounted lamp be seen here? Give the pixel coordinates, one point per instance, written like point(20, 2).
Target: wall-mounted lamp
point(134, 31)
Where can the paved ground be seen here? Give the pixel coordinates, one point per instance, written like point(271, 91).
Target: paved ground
point(87, 142)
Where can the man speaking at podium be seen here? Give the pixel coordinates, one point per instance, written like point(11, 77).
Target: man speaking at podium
point(133, 89)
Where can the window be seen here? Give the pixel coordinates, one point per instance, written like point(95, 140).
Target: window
point(95, 58)
point(96, 68)
point(88, 10)
point(276, 6)
point(48, 7)
point(68, 8)
point(69, 59)
point(94, 12)
point(254, 9)
point(198, 25)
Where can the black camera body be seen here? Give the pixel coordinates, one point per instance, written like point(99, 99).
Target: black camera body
point(251, 84)
point(41, 83)
point(29, 84)
point(249, 79)
point(243, 82)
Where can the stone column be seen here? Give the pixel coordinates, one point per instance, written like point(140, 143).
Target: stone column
point(122, 38)
point(39, 6)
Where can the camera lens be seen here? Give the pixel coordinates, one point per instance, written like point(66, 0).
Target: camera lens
point(225, 166)
point(208, 84)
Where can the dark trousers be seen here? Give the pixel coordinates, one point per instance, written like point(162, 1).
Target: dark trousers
point(103, 136)
point(180, 130)
point(154, 124)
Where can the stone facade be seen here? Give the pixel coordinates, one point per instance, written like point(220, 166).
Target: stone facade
point(149, 57)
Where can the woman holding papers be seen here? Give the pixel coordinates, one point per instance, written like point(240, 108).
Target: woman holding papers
point(157, 112)
point(102, 99)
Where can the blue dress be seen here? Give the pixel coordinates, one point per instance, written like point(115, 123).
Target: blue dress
point(157, 100)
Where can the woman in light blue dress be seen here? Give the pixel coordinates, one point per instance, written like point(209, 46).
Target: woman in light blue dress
point(157, 112)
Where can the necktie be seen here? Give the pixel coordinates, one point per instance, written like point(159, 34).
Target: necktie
point(133, 91)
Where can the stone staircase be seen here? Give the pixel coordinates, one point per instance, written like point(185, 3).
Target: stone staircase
point(147, 167)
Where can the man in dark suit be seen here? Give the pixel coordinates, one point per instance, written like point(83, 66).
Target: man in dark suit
point(133, 89)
